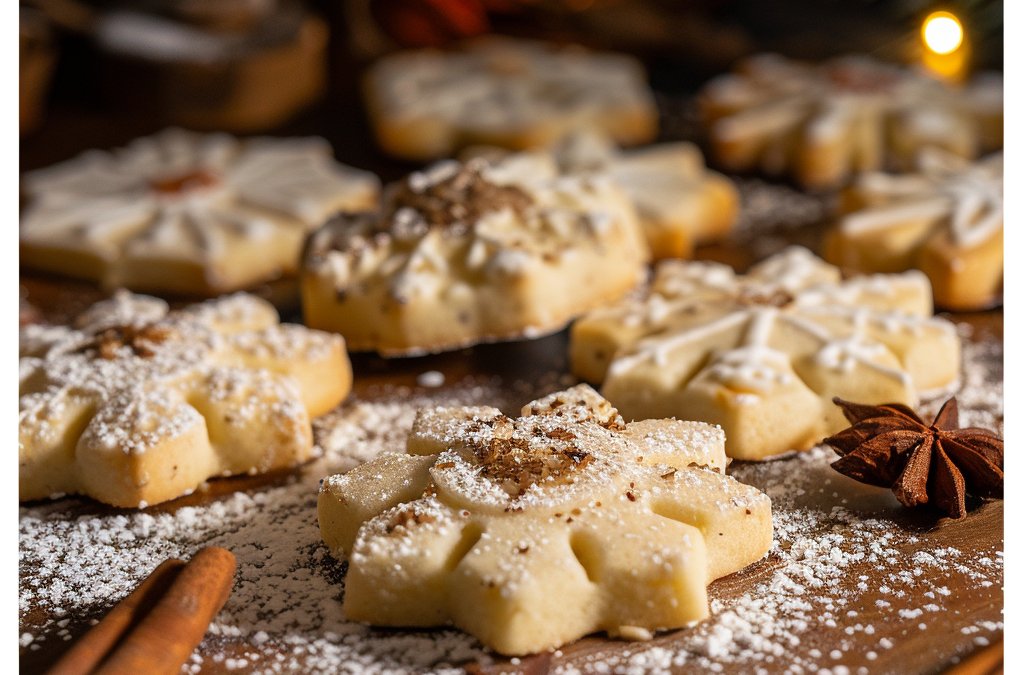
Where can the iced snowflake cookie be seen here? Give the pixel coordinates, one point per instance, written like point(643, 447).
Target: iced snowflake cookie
point(184, 213)
point(533, 532)
point(824, 123)
point(680, 202)
point(466, 253)
point(516, 94)
point(763, 355)
point(946, 220)
point(137, 405)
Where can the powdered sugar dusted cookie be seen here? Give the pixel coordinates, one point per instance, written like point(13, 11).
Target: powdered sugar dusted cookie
point(824, 123)
point(464, 253)
point(680, 202)
point(946, 220)
point(185, 213)
point(512, 93)
point(532, 532)
point(763, 355)
point(137, 405)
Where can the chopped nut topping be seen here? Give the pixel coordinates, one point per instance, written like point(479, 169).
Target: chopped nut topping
point(518, 465)
point(404, 519)
point(141, 340)
point(462, 198)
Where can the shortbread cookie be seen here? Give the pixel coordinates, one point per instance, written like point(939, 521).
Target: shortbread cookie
point(533, 532)
point(680, 202)
point(465, 253)
point(516, 94)
point(137, 405)
point(186, 214)
point(824, 123)
point(946, 220)
point(763, 355)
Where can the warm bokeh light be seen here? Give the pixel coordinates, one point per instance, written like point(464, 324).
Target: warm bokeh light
point(942, 32)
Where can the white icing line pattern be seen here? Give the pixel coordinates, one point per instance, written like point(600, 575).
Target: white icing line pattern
point(749, 366)
point(192, 197)
point(966, 199)
point(840, 115)
point(789, 333)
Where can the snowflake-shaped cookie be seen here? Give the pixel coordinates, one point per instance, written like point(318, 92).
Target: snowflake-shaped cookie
point(946, 220)
point(763, 355)
point(532, 532)
point(824, 123)
point(516, 94)
point(470, 252)
point(137, 405)
point(186, 213)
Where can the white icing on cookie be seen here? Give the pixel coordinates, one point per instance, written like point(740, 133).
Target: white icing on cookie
point(845, 116)
point(184, 196)
point(790, 327)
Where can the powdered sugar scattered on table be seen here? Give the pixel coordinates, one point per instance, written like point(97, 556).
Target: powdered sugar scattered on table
point(284, 614)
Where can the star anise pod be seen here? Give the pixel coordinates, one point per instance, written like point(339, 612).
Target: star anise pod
point(890, 446)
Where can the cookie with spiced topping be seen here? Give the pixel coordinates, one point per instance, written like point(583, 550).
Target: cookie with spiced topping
point(137, 405)
point(535, 531)
point(463, 253)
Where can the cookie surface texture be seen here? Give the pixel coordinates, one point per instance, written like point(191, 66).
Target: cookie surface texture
point(535, 531)
point(473, 252)
point(946, 220)
point(824, 123)
point(137, 405)
point(763, 354)
point(184, 213)
point(516, 94)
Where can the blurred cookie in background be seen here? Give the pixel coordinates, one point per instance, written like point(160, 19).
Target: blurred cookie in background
point(516, 94)
point(37, 56)
point(186, 214)
point(232, 65)
point(824, 123)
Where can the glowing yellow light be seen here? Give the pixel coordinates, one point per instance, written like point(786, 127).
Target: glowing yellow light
point(942, 32)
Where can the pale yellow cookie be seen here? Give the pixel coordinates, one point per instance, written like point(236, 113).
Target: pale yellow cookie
point(763, 355)
point(466, 253)
point(513, 93)
point(137, 405)
point(824, 123)
point(533, 532)
point(183, 213)
point(680, 202)
point(946, 220)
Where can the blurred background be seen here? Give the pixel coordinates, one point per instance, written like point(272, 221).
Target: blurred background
point(98, 73)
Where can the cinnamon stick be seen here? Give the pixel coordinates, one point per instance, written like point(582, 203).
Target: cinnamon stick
point(166, 636)
point(95, 645)
point(157, 627)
